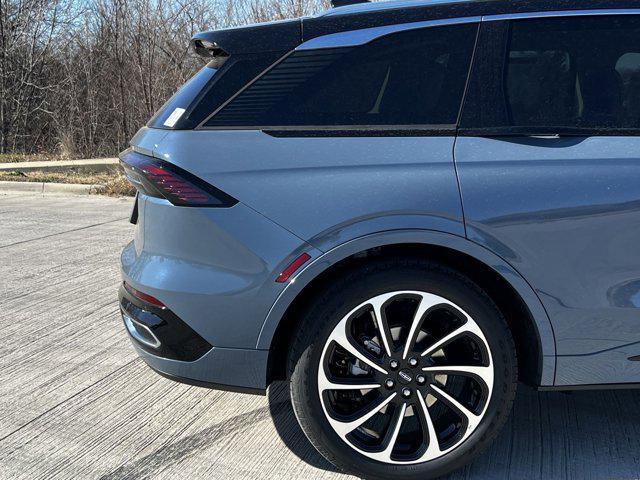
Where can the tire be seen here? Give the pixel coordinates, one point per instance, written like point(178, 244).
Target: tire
point(396, 286)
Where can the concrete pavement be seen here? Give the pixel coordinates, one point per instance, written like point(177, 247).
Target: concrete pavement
point(75, 402)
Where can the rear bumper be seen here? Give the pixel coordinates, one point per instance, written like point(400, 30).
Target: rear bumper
point(172, 349)
point(215, 271)
point(236, 370)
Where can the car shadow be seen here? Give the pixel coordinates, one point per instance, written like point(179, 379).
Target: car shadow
point(550, 435)
point(289, 430)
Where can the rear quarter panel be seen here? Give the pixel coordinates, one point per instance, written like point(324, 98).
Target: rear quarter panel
point(326, 190)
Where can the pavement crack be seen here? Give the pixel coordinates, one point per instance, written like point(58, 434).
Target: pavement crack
point(21, 242)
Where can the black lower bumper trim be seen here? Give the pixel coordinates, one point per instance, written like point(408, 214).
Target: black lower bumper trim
point(176, 340)
point(213, 386)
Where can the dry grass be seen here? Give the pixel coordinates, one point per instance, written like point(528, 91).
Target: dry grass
point(38, 157)
point(117, 186)
point(112, 183)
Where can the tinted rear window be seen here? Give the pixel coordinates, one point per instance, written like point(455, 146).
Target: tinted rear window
point(210, 88)
point(410, 78)
point(182, 99)
point(579, 72)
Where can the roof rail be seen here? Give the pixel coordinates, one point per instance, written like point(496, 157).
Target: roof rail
point(344, 3)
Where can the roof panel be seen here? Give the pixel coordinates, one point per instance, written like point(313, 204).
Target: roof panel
point(287, 35)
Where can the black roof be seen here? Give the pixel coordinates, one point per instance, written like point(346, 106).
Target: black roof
point(286, 35)
point(391, 12)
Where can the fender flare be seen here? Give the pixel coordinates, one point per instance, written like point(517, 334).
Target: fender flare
point(425, 237)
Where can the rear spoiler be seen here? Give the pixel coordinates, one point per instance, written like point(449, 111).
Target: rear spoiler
point(262, 37)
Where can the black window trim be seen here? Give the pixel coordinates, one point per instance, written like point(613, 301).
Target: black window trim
point(547, 132)
point(472, 64)
point(339, 128)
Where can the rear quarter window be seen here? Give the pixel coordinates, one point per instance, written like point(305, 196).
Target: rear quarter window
point(182, 99)
point(208, 89)
point(410, 78)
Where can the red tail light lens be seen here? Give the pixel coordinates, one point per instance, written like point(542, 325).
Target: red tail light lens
point(143, 296)
point(161, 179)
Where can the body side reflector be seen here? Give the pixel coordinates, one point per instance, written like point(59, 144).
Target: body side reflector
point(293, 267)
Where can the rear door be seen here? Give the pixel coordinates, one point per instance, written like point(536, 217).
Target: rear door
point(549, 165)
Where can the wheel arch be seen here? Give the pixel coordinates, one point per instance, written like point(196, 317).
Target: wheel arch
point(517, 300)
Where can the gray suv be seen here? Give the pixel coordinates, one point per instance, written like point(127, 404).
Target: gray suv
point(403, 209)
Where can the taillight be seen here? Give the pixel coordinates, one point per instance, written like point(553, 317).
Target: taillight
point(145, 297)
point(161, 179)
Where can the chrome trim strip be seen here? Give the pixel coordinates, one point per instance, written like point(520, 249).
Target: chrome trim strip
point(354, 38)
point(561, 13)
point(385, 5)
point(132, 327)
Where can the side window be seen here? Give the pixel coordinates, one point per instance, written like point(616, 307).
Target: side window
point(574, 72)
point(628, 67)
point(415, 77)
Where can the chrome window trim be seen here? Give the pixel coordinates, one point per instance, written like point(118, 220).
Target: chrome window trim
point(561, 13)
point(358, 37)
point(355, 38)
point(385, 6)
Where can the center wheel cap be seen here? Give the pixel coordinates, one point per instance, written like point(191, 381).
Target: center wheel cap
point(405, 377)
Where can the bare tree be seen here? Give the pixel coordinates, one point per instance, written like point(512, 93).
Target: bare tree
point(79, 78)
point(29, 77)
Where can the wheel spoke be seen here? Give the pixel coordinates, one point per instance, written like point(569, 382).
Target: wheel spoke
point(340, 337)
point(472, 418)
point(484, 373)
point(469, 327)
point(348, 386)
point(381, 324)
point(344, 428)
point(325, 384)
point(433, 449)
point(426, 302)
point(392, 436)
